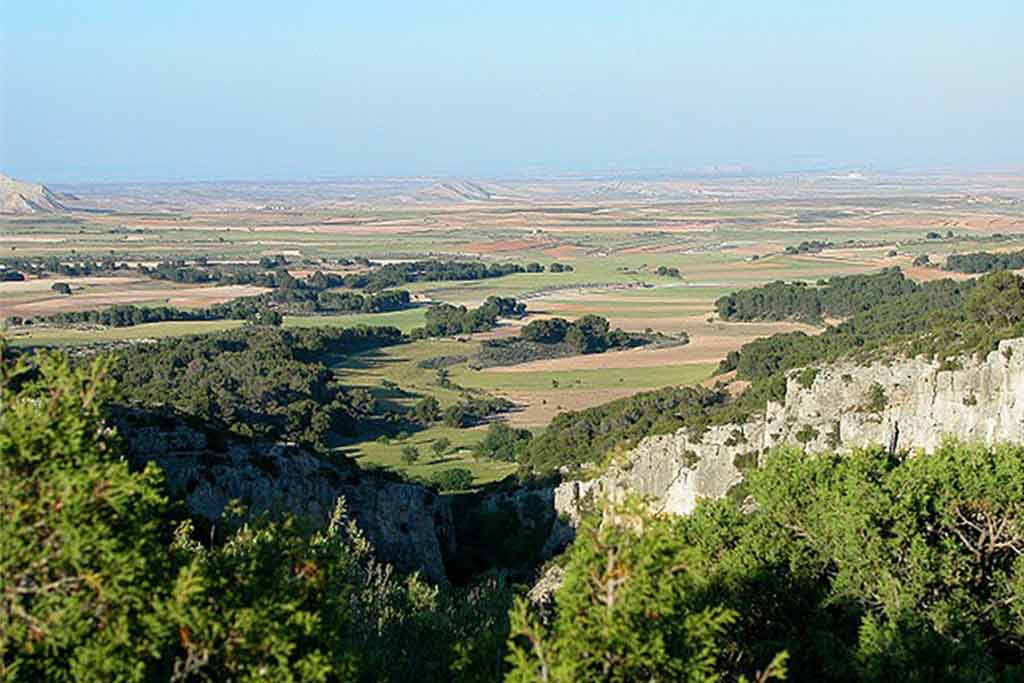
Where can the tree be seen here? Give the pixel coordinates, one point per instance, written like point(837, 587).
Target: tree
point(427, 410)
point(630, 608)
point(998, 300)
point(410, 454)
point(61, 288)
point(441, 446)
point(82, 558)
point(454, 479)
point(502, 442)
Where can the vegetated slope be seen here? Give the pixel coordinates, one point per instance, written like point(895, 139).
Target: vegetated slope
point(861, 567)
point(19, 197)
point(838, 297)
point(257, 382)
point(984, 262)
point(105, 579)
point(939, 319)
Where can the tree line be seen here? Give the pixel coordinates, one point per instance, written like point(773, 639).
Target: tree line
point(261, 382)
point(839, 296)
point(863, 566)
point(984, 262)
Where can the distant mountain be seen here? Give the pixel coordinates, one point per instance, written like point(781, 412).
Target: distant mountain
point(19, 197)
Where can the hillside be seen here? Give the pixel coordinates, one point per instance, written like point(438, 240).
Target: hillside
point(20, 197)
point(913, 404)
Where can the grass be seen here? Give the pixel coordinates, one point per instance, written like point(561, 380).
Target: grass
point(605, 378)
point(405, 320)
point(64, 337)
point(389, 455)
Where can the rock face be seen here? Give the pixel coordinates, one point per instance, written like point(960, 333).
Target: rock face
point(408, 525)
point(907, 403)
point(18, 197)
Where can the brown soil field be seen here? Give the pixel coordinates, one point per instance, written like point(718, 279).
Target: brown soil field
point(566, 251)
point(537, 408)
point(95, 293)
point(504, 246)
point(709, 343)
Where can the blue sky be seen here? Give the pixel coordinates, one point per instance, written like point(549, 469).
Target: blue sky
point(104, 90)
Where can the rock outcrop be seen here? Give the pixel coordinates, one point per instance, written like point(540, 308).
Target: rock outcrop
point(408, 525)
point(901, 404)
point(19, 197)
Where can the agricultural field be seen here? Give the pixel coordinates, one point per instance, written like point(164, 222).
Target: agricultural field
point(650, 257)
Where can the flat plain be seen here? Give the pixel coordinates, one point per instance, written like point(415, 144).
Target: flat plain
point(721, 234)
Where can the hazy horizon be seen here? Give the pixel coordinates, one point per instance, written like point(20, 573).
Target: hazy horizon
point(125, 92)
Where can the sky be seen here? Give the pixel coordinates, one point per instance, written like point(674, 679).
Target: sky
point(98, 90)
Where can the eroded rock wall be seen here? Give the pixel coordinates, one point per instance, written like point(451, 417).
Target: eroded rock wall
point(408, 525)
point(907, 403)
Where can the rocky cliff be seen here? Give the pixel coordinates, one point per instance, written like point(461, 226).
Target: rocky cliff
point(903, 403)
point(409, 526)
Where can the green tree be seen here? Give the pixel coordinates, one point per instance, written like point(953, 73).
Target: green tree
point(427, 410)
point(441, 446)
point(631, 608)
point(410, 454)
point(83, 560)
point(998, 300)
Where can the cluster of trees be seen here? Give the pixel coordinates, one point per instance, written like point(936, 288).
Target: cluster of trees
point(503, 442)
point(445, 320)
point(395, 274)
point(808, 247)
point(839, 296)
point(75, 266)
point(261, 382)
point(668, 271)
point(940, 319)
point(292, 297)
point(984, 262)
point(104, 580)
point(474, 410)
point(586, 436)
point(860, 567)
point(199, 271)
point(589, 334)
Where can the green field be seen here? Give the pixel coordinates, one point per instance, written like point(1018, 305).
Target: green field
point(50, 336)
point(569, 380)
point(389, 455)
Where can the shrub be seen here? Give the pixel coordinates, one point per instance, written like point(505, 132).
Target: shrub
point(454, 479)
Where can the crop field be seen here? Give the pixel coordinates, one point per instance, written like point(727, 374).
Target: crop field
point(708, 237)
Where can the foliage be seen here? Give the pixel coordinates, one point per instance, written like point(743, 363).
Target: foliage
point(985, 262)
point(410, 454)
point(453, 479)
point(394, 274)
point(83, 555)
point(578, 437)
point(589, 334)
point(446, 320)
point(633, 606)
point(97, 587)
point(502, 442)
point(872, 567)
point(440, 446)
point(864, 566)
point(840, 296)
point(259, 383)
point(474, 410)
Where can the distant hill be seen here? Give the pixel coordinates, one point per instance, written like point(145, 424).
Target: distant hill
point(19, 197)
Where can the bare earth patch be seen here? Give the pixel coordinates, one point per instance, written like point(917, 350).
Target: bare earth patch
point(709, 343)
point(99, 292)
point(537, 408)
